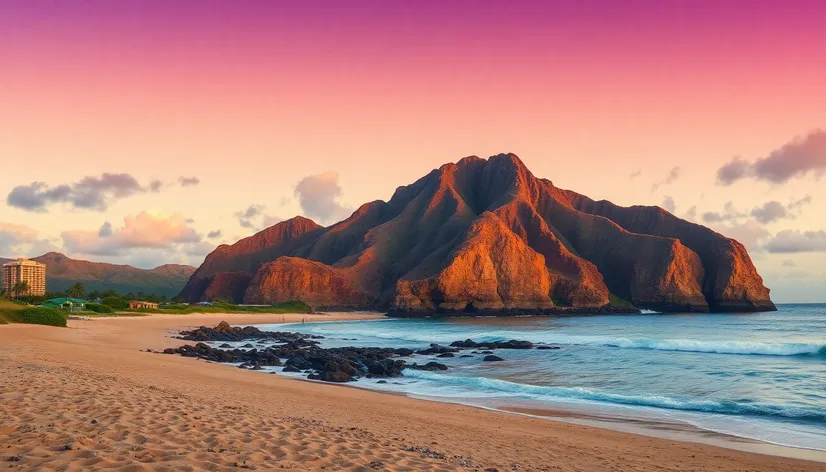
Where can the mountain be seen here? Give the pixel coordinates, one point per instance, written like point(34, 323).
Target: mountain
point(486, 236)
point(62, 272)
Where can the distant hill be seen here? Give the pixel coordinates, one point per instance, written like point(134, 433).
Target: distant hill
point(62, 272)
point(487, 236)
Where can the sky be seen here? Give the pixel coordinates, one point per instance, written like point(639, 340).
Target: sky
point(150, 132)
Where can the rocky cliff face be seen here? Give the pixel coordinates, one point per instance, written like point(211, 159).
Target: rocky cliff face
point(730, 282)
point(487, 236)
point(317, 284)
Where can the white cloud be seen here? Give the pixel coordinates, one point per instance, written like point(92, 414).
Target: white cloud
point(750, 233)
point(145, 230)
point(668, 204)
point(319, 196)
point(801, 156)
point(21, 241)
point(791, 241)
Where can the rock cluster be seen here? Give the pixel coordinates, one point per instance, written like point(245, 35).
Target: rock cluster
point(224, 332)
point(299, 352)
point(512, 344)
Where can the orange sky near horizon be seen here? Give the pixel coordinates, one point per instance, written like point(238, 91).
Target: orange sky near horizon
point(252, 100)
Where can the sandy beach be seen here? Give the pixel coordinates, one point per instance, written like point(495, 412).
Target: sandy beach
point(90, 397)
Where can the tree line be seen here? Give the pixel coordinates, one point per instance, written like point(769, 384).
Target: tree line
point(20, 291)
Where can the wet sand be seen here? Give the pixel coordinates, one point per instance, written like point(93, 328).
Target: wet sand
point(88, 397)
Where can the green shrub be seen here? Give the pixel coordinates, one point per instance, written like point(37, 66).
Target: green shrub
point(41, 316)
point(99, 308)
point(619, 302)
point(117, 303)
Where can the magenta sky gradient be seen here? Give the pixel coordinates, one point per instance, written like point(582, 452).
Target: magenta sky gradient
point(253, 96)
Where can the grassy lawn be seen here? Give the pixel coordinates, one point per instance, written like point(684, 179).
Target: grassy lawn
point(12, 312)
point(218, 307)
point(92, 314)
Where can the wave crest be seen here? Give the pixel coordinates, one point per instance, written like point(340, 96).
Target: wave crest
point(538, 392)
point(382, 331)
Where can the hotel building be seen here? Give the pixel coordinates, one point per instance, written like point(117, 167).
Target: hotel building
point(34, 273)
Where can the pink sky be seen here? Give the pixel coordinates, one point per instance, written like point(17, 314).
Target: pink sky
point(254, 97)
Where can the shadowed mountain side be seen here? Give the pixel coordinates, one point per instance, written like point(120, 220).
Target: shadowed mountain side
point(486, 235)
point(248, 254)
point(731, 282)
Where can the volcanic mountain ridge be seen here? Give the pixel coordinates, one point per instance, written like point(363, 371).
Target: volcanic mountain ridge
point(487, 236)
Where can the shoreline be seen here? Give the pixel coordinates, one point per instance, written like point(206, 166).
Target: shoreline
point(679, 431)
point(648, 426)
point(202, 407)
point(675, 431)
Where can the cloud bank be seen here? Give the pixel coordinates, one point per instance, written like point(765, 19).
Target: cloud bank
point(148, 230)
point(789, 241)
point(318, 197)
point(89, 193)
point(769, 212)
point(797, 158)
point(255, 217)
point(21, 241)
point(668, 204)
point(672, 176)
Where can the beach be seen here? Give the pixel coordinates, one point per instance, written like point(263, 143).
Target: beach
point(91, 396)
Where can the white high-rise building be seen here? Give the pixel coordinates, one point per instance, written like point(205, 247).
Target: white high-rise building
point(24, 270)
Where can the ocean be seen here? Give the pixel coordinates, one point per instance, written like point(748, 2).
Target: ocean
point(760, 376)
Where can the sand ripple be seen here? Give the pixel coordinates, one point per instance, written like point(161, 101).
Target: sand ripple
point(59, 419)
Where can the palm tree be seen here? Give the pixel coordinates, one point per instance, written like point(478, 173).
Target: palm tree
point(20, 287)
point(76, 291)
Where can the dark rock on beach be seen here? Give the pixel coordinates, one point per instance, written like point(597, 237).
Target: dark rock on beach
point(432, 366)
point(225, 332)
point(299, 352)
point(335, 376)
point(437, 349)
point(512, 344)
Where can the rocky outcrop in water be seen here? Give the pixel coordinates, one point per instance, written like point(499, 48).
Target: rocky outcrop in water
point(299, 352)
point(488, 237)
point(225, 332)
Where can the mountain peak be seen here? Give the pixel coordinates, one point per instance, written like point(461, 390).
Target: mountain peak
point(485, 234)
point(63, 271)
point(53, 255)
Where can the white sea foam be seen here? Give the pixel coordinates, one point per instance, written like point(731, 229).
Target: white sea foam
point(376, 330)
point(482, 385)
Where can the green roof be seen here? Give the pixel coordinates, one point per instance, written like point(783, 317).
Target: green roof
point(56, 302)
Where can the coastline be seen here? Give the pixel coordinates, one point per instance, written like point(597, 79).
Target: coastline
point(105, 354)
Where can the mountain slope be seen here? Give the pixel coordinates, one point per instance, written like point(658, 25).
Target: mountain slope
point(62, 272)
point(486, 235)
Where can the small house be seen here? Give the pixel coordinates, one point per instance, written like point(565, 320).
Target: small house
point(137, 305)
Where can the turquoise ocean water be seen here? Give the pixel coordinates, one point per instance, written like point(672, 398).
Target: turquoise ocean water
point(760, 376)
